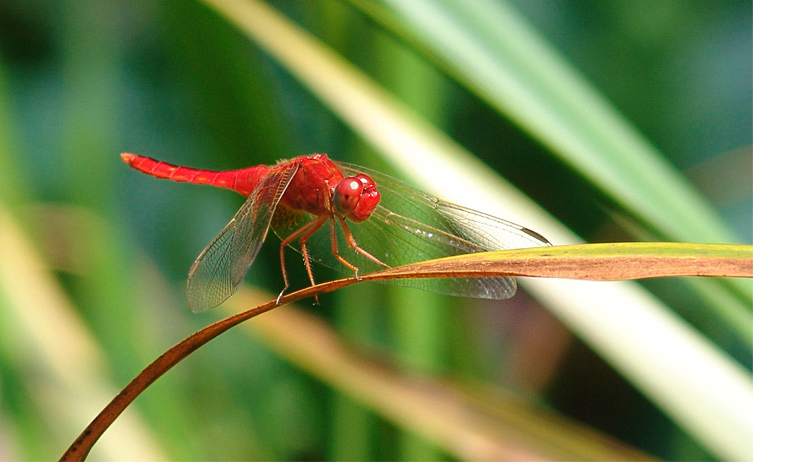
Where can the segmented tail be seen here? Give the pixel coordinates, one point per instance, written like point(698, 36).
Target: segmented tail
point(242, 181)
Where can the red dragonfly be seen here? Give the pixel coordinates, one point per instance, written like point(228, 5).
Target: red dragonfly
point(374, 222)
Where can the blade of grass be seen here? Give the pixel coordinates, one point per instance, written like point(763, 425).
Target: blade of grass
point(490, 50)
point(598, 262)
point(488, 47)
point(401, 136)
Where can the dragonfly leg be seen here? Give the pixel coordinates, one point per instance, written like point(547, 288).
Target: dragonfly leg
point(305, 231)
point(351, 240)
point(335, 248)
point(313, 227)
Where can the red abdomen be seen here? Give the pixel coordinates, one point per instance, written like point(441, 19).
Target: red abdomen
point(242, 181)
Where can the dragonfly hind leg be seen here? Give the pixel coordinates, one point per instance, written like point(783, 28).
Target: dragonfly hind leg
point(304, 233)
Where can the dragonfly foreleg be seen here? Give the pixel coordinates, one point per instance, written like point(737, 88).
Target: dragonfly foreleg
point(351, 241)
point(335, 247)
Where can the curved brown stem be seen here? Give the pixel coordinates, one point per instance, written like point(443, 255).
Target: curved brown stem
point(80, 448)
point(617, 261)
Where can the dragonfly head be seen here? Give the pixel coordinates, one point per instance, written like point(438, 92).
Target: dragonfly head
point(356, 197)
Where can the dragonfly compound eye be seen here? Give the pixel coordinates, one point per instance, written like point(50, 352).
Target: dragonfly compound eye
point(356, 197)
point(346, 195)
point(370, 197)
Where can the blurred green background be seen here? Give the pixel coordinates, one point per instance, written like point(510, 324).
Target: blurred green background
point(95, 255)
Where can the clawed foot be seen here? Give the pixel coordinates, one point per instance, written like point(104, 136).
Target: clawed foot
point(280, 296)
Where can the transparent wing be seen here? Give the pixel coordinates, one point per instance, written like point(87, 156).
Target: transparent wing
point(220, 268)
point(410, 225)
